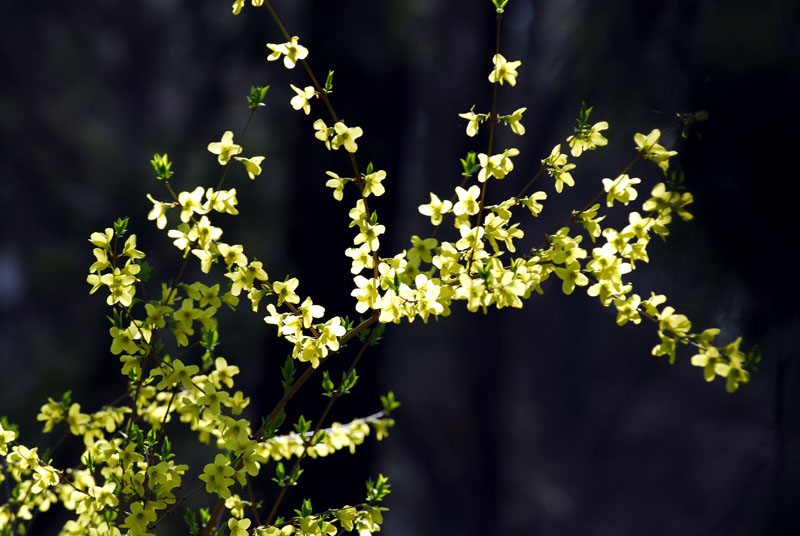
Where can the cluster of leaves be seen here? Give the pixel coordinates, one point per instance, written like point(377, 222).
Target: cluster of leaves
point(128, 480)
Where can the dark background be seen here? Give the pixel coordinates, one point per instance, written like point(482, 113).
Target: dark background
point(550, 420)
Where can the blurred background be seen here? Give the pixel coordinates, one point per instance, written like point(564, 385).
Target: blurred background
point(549, 420)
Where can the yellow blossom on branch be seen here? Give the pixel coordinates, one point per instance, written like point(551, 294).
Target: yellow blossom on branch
point(292, 52)
point(225, 148)
point(504, 71)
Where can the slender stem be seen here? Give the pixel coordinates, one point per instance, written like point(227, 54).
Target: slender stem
point(492, 124)
point(285, 400)
point(309, 371)
point(253, 506)
point(310, 438)
point(360, 182)
point(214, 515)
point(527, 186)
point(180, 501)
point(324, 96)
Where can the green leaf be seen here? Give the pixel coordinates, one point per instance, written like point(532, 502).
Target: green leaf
point(349, 382)
point(376, 491)
point(121, 227)
point(161, 165)
point(256, 97)
point(287, 371)
point(280, 474)
point(470, 164)
point(389, 403)
point(145, 270)
point(500, 5)
point(191, 521)
point(302, 426)
point(753, 358)
point(327, 384)
point(305, 509)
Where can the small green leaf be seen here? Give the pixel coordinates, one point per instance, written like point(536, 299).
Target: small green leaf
point(753, 358)
point(302, 426)
point(287, 371)
point(191, 521)
point(469, 164)
point(121, 227)
point(500, 5)
point(389, 403)
point(161, 165)
point(257, 96)
point(327, 384)
point(376, 491)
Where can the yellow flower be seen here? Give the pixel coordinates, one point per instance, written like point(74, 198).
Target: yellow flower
point(366, 293)
point(474, 120)
point(191, 203)
point(369, 235)
point(52, 413)
point(225, 148)
point(472, 290)
point(44, 477)
point(291, 51)
point(372, 183)
point(587, 139)
point(346, 136)
point(362, 258)
point(102, 240)
point(285, 291)
point(180, 374)
point(77, 420)
point(497, 165)
point(558, 168)
point(421, 250)
point(124, 340)
point(204, 233)
point(649, 147)
point(628, 310)
point(330, 333)
point(300, 101)
point(467, 200)
point(252, 165)
point(6, 436)
point(232, 254)
point(532, 202)
point(677, 324)
point(158, 212)
point(504, 70)
point(223, 373)
point(621, 189)
point(435, 209)
point(323, 133)
point(212, 398)
point(309, 311)
point(571, 276)
point(337, 183)
point(513, 121)
point(140, 517)
point(239, 526)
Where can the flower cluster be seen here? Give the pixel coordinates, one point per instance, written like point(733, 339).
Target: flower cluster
point(336, 437)
point(128, 479)
point(108, 271)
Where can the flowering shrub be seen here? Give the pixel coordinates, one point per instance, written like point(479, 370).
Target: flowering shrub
point(128, 480)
